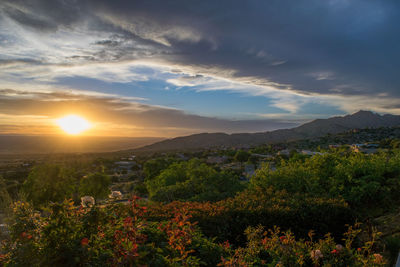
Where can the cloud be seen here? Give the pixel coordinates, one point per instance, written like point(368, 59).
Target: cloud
point(338, 53)
point(314, 37)
point(119, 114)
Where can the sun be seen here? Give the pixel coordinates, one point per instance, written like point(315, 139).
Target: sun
point(73, 124)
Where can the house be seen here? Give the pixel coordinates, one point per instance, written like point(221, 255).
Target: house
point(284, 152)
point(182, 157)
point(365, 148)
point(311, 153)
point(123, 166)
point(356, 147)
point(216, 159)
point(232, 166)
point(115, 195)
point(132, 158)
point(262, 156)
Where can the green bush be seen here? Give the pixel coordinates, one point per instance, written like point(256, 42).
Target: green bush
point(49, 183)
point(194, 181)
point(96, 185)
point(392, 244)
point(364, 181)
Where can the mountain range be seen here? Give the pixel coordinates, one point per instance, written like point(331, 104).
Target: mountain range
point(316, 128)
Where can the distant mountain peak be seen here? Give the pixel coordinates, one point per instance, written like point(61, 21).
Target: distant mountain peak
point(364, 112)
point(360, 120)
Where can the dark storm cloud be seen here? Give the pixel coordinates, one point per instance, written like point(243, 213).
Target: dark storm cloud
point(44, 15)
point(328, 47)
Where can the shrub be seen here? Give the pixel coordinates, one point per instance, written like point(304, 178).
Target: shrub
point(227, 219)
point(117, 234)
point(49, 183)
point(96, 185)
point(364, 181)
point(194, 181)
point(121, 235)
point(277, 248)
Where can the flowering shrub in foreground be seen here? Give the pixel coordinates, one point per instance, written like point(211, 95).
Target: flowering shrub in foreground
point(122, 235)
point(114, 235)
point(276, 248)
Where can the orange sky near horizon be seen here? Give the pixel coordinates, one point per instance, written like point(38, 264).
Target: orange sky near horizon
point(42, 125)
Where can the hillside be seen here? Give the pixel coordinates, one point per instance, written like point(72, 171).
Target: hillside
point(24, 144)
point(316, 128)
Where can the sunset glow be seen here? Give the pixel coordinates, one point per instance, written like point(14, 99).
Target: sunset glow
point(73, 124)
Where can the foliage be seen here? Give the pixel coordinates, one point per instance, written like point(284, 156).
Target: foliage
point(364, 181)
point(49, 183)
point(193, 181)
point(116, 235)
point(206, 208)
point(241, 156)
point(95, 185)
point(227, 219)
point(392, 244)
point(277, 248)
point(5, 199)
point(140, 189)
point(123, 235)
point(153, 167)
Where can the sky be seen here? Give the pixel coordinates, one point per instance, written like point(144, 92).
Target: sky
point(171, 68)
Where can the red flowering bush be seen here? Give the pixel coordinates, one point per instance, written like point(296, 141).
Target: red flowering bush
point(114, 235)
point(276, 248)
point(128, 235)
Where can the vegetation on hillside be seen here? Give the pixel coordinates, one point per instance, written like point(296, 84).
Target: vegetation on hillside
point(303, 212)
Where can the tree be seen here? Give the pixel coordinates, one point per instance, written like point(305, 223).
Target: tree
point(153, 167)
point(5, 199)
point(95, 185)
point(49, 183)
point(241, 156)
point(192, 180)
point(253, 160)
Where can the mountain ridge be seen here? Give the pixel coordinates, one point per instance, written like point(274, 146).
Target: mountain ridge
point(316, 128)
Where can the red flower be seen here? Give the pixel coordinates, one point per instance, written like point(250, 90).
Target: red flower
point(359, 249)
point(335, 251)
point(378, 258)
point(84, 242)
point(226, 244)
point(282, 238)
point(264, 240)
